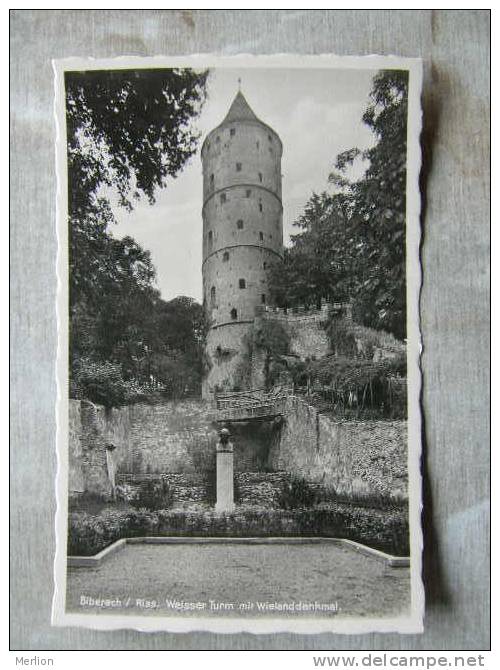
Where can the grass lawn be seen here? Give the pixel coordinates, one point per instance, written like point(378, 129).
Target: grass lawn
point(241, 575)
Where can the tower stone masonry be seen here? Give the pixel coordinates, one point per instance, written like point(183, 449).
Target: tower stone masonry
point(242, 234)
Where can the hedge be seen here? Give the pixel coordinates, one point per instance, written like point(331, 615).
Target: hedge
point(385, 530)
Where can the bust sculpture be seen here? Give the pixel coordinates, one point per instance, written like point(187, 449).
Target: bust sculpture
point(225, 482)
point(224, 443)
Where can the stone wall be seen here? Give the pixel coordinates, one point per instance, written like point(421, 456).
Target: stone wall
point(175, 437)
point(76, 479)
point(180, 437)
point(91, 427)
point(308, 338)
point(185, 489)
point(353, 458)
point(259, 488)
point(251, 488)
point(167, 437)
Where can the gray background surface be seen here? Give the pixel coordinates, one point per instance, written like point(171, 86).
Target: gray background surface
point(454, 304)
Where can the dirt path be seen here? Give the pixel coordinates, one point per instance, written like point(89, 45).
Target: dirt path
point(148, 579)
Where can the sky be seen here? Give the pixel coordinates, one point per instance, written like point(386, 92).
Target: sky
point(317, 114)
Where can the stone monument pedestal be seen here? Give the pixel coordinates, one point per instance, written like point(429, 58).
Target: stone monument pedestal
point(225, 478)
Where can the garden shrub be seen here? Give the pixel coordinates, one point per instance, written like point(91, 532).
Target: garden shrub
point(152, 495)
point(88, 502)
point(101, 382)
point(387, 530)
point(296, 493)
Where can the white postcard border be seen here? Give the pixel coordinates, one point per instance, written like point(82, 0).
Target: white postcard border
point(410, 624)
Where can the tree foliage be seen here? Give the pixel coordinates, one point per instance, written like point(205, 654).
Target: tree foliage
point(143, 341)
point(272, 339)
point(345, 384)
point(101, 382)
point(319, 264)
point(351, 243)
point(128, 132)
point(379, 206)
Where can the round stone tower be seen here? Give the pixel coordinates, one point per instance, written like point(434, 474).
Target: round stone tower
point(242, 235)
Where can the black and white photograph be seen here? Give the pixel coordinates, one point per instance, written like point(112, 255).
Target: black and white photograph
point(239, 431)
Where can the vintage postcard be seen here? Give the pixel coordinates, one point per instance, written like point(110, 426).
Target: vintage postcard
point(238, 372)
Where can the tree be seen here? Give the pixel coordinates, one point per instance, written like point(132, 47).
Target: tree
point(379, 206)
point(189, 317)
point(128, 132)
point(272, 339)
point(319, 262)
point(351, 243)
point(178, 329)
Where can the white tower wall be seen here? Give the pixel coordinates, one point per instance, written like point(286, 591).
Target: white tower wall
point(242, 234)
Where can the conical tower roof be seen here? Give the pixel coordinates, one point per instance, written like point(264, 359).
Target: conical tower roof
point(240, 110)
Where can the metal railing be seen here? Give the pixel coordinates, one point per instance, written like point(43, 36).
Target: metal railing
point(253, 404)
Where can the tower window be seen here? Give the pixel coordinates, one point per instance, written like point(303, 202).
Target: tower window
point(212, 296)
point(234, 314)
point(264, 265)
point(210, 239)
point(270, 138)
point(248, 193)
point(260, 207)
point(223, 197)
point(212, 180)
point(232, 132)
point(242, 283)
point(260, 177)
point(239, 224)
point(263, 298)
point(257, 144)
point(217, 139)
point(225, 256)
point(238, 167)
point(261, 236)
